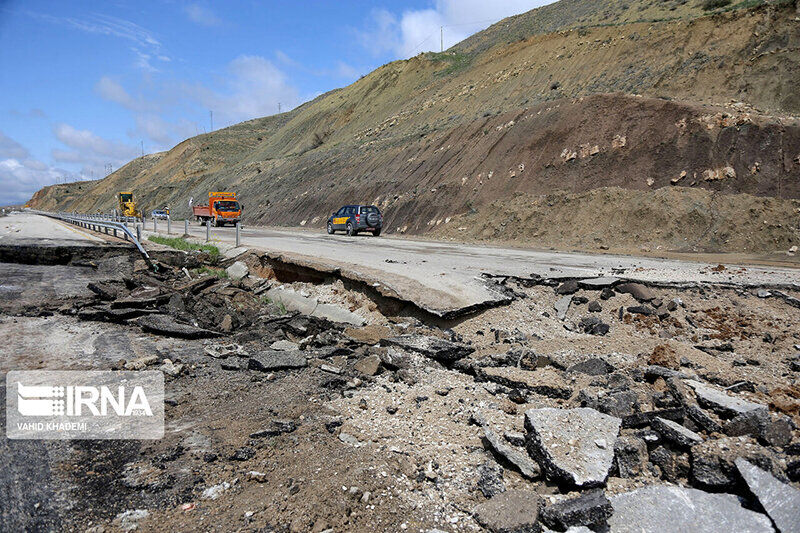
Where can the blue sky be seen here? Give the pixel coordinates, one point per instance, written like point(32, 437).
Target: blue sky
point(85, 85)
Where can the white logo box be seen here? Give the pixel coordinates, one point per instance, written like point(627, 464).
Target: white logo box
point(67, 404)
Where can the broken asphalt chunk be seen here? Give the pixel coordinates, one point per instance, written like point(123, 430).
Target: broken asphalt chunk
point(276, 360)
point(781, 501)
point(589, 509)
point(666, 509)
point(440, 349)
point(168, 326)
point(573, 446)
point(519, 459)
point(676, 433)
point(720, 401)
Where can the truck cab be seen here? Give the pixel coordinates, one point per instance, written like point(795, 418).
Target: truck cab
point(223, 208)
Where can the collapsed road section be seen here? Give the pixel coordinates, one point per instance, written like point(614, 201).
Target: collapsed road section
point(596, 402)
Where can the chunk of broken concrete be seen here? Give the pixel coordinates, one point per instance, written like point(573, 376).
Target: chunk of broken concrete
point(713, 465)
point(589, 509)
point(720, 401)
point(630, 455)
point(276, 360)
point(567, 444)
point(665, 509)
point(676, 433)
point(513, 511)
point(238, 270)
point(562, 306)
point(545, 381)
point(779, 500)
point(526, 466)
point(166, 325)
point(433, 347)
point(597, 283)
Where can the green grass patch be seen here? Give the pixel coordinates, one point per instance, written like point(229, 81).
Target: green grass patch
point(279, 305)
point(182, 244)
point(456, 61)
point(218, 272)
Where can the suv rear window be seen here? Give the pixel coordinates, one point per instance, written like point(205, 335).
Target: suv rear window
point(366, 209)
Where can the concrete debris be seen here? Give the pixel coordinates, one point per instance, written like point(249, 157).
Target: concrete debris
point(276, 360)
point(713, 465)
point(781, 501)
point(664, 509)
point(237, 270)
point(439, 349)
point(591, 508)
point(513, 511)
point(518, 458)
point(284, 345)
point(676, 433)
point(490, 479)
point(630, 456)
point(598, 283)
point(294, 301)
point(166, 325)
point(720, 401)
point(562, 306)
point(564, 442)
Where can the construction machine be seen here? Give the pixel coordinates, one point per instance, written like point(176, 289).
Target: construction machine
point(127, 205)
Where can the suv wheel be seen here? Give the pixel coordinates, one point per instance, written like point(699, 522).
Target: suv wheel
point(377, 232)
point(331, 231)
point(350, 231)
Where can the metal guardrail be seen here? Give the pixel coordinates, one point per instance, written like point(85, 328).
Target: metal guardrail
point(108, 224)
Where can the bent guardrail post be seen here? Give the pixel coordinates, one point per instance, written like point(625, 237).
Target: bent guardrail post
point(96, 223)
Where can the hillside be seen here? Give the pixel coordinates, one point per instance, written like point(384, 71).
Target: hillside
point(627, 104)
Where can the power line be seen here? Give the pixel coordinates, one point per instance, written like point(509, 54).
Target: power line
point(441, 32)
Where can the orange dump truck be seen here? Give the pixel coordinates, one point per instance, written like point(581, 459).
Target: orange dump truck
point(222, 208)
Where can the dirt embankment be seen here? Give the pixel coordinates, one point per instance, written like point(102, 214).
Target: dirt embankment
point(440, 135)
point(670, 220)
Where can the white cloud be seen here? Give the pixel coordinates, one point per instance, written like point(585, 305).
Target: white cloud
point(19, 180)
point(202, 15)
point(253, 88)
point(90, 152)
point(110, 90)
point(145, 45)
point(20, 174)
point(418, 31)
point(11, 148)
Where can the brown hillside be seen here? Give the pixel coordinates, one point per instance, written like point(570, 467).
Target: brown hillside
point(440, 134)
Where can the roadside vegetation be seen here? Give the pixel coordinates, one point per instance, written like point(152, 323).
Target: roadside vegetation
point(218, 272)
point(182, 244)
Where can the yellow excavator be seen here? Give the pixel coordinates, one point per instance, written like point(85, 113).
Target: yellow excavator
point(127, 206)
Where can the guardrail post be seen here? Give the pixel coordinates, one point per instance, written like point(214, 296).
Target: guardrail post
point(155, 225)
point(139, 232)
point(208, 230)
point(237, 234)
point(185, 227)
point(169, 226)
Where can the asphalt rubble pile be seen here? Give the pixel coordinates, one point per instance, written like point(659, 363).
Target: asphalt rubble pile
point(701, 454)
point(698, 451)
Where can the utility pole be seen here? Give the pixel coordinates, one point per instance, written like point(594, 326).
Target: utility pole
point(142, 143)
point(441, 37)
point(279, 108)
point(211, 116)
